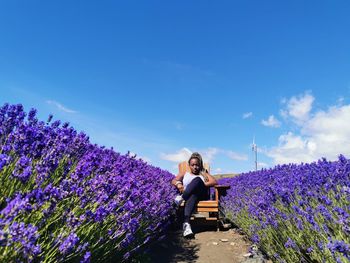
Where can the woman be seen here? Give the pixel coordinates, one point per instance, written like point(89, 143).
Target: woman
point(193, 186)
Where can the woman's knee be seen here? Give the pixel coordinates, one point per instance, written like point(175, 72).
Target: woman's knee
point(197, 181)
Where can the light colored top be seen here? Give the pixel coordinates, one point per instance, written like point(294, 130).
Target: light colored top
point(188, 177)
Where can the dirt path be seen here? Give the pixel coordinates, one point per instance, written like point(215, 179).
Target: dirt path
point(208, 246)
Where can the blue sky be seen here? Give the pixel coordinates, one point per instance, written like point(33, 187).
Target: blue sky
point(166, 78)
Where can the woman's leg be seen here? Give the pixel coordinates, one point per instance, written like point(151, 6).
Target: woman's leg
point(189, 207)
point(196, 187)
point(194, 192)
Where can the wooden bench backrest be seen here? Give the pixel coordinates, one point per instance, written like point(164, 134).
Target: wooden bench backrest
point(184, 167)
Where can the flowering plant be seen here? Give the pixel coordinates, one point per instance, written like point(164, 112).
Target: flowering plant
point(295, 213)
point(65, 199)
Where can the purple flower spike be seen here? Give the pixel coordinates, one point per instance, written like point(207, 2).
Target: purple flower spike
point(69, 243)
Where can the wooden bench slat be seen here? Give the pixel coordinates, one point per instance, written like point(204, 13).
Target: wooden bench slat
point(211, 219)
point(204, 218)
point(207, 204)
point(207, 209)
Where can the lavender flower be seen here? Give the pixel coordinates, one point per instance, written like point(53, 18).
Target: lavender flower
point(87, 257)
point(4, 160)
point(69, 243)
point(57, 182)
point(303, 204)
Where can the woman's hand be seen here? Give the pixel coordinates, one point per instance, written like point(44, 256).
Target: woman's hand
point(206, 178)
point(209, 180)
point(177, 182)
point(180, 187)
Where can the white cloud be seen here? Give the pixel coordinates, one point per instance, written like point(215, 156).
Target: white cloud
point(340, 101)
point(330, 130)
point(184, 154)
point(132, 153)
point(271, 122)
point(247, 115)
point(175, 168)
point(262, 164)
point(60, 106)
point(146, 159)
point(180, 156)
point(325, 133)
point(292, 149)
point(236, 156)
point(209, 154)
point(298, 107)
point(218, 170)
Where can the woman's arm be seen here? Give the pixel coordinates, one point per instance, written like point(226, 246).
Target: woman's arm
point(177, 182)
point(210, 180)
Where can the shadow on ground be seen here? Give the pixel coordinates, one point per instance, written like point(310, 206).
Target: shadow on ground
point(174, 248)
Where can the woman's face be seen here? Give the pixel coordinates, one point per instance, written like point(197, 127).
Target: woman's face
point(194, 166)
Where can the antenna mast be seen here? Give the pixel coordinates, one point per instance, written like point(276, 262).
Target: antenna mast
point(255, 150)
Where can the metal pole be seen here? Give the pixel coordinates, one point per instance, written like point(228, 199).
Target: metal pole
point(256, 157)
point(255, 150)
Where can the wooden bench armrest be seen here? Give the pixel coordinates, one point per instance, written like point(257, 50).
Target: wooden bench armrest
point(222, 187)
point(220, 190)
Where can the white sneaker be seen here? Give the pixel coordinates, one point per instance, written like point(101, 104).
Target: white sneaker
point(178, 200)
point(187, 230)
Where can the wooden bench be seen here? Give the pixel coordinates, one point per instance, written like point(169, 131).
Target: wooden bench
point(212, 207)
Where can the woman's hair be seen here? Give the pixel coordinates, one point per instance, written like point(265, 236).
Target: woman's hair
point(197, 156)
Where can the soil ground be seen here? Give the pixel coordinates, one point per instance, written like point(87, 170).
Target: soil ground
point(208, 246)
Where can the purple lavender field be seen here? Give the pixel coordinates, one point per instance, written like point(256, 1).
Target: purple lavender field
point(65, 199)
point(295, 213)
